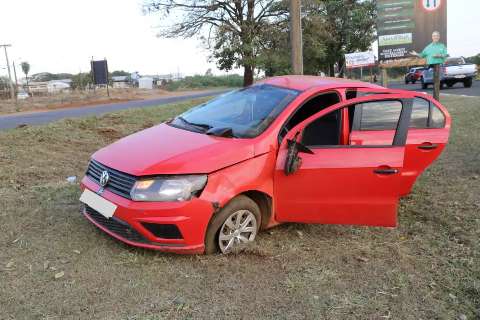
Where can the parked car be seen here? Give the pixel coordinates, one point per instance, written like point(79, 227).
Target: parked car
point(414, 75)
point(454, 70)
point(287, 149)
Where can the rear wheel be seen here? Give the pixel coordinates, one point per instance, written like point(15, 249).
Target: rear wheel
point(468, 83)
point(414, 81)
point(234, 227)
point(406, 81)
point(449, 84)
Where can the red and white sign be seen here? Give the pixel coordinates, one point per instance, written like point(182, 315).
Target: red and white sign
point(431, 5)
point(359, 59)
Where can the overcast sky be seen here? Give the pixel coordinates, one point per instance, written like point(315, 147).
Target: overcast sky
point(62, 36)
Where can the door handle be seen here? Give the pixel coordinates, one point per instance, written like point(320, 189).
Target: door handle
point(428, 146)
point(386, 171)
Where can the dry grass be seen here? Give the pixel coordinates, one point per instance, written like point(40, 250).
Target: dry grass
point(81, 98)
point(427, 268)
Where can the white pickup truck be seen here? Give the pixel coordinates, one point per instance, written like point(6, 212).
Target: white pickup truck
point(452, 71)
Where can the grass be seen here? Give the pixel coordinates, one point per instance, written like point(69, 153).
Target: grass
point(56, 265)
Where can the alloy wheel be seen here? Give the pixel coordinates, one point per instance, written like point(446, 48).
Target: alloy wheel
point(238, 230)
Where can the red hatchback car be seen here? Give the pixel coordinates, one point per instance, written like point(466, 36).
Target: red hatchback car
point(287, 149)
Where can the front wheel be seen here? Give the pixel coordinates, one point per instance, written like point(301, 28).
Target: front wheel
point(424, 85)
point(468, 83)
point(234, 227)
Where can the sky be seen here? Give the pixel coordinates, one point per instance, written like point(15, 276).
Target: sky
point(62, 36)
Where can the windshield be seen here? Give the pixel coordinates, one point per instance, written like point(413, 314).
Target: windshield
point(243, 113)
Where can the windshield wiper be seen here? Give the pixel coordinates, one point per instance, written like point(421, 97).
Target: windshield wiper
point(222, 132)
point(203, 127)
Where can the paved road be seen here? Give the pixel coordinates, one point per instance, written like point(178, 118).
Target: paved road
point(457, 89)
point(12, 121)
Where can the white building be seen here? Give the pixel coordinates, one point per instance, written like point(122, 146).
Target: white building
point(55, 86)
point(145, 83)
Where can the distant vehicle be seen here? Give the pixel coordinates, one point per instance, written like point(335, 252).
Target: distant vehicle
point(413, 75)
point(454, 70)
point(22, 95)
point(287, 149)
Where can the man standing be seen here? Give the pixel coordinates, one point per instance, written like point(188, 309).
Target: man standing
point(435, 52)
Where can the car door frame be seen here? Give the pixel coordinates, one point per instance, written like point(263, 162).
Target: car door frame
point(398, 141)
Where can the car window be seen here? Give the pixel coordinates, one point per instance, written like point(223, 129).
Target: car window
point(426, 115)
point(378, 115)
point(420, 110)
point(382, 117)
point(308, 109)
point(437, 118)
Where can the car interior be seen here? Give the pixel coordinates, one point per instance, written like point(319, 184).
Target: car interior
point(310, 108)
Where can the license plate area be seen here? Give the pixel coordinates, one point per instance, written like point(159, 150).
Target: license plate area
point(99, 204)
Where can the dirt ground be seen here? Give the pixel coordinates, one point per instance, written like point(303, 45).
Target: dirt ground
point(56, 265)
point(81, 98)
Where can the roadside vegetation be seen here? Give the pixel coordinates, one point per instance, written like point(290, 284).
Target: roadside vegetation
point(56, 265)
point(205, 82)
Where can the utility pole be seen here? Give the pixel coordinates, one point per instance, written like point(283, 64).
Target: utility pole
point(15, 75)
point(12, 91)
point(296, 36)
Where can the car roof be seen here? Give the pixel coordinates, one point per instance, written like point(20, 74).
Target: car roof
point(303, 83)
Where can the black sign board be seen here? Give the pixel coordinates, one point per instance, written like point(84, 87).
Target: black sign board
point(406, 25)
point(100, 72)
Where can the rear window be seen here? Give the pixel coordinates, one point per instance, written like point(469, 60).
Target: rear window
point(379, 115)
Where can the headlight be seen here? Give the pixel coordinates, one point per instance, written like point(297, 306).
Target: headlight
point(172, 188)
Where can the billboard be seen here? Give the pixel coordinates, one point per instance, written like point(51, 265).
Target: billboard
point(407, 25)
point(359, 59)
point(100, 72)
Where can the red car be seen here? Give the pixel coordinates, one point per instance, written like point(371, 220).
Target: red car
point(414, 75)
point(287, 149)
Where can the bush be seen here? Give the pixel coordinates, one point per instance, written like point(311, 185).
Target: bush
point(198, 81)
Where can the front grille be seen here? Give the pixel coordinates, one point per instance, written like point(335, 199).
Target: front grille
point(116, 226)
point(119, 183)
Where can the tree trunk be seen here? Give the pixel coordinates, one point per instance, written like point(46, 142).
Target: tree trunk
point(247, 76)
point(331, 70)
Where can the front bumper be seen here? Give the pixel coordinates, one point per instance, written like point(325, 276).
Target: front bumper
point(130, 219)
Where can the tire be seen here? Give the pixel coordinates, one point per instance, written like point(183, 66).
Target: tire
point(442, 85)
point(406, 81)
point(449, 85)
point(468, 83)
point(243, 207)
point(424, 85)
point(414, 81)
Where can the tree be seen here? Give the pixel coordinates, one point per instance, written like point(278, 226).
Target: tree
point(232, 30)
point(26, 69)
point(331, 28)
point(120, 73)
point(343, 26)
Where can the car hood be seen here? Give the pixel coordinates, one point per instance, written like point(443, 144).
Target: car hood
point(163, 149)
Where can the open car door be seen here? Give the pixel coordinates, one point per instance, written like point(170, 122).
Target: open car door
point(323, 176)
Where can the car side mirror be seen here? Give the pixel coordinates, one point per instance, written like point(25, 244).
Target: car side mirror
point(293, 160)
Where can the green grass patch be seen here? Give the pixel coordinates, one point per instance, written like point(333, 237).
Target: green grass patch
point(427, 268)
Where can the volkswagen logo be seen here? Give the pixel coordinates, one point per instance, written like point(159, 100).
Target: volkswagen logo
point(104, 178)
